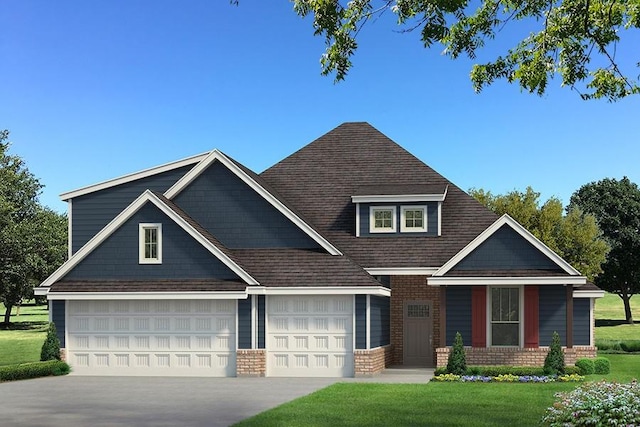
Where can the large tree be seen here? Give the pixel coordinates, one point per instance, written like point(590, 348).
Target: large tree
point(574, 236)
point(579, 40)
point(616, 205)
point(32, 237)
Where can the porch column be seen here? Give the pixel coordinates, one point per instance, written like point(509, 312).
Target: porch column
point(569, 316)
point(443, 316)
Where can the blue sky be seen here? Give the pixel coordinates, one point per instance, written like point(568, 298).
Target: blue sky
point(94, 90)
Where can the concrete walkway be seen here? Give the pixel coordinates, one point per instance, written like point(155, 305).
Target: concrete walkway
point(75, 401)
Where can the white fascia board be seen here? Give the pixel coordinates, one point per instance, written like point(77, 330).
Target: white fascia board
point(587, 294)
point(406, 198)
point(325, 290)
point(504, 281)
point(489, 231)
point(146, 295)
point(401, 271)
point(133, 176)
point(40, 291)
point(183, 182)
point(122, 217)
point(69, 229)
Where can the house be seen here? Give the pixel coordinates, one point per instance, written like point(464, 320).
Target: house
point(348, 256)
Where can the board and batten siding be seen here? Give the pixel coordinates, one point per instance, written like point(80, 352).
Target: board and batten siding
point(117, 258)
point(361, 322)
point(582, 321)
point(91, 212)
point(458, 313)
point(379, 309)
point(238, 216)
point(432, 219)
point(58, 317)
point(553, 314)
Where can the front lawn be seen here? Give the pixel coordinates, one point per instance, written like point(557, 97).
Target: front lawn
point(610, 320)
point(22, 341)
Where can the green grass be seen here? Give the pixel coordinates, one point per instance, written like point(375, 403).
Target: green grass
point(22, 341)
point(610, 319)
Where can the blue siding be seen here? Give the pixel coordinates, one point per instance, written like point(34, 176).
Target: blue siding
point(361, 321)
point(58, 318)
point(237, 215)
point(91, 212)
point(553, 313)
point(182, 257)
point(506, 250)
point(432, 219)
point(261, 321)
point(581, 321)
point(459, 313)
point(380, 321)
point(244, 323)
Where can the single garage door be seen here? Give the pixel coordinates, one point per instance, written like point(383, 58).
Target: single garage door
point(155, 338)
point(310, 336)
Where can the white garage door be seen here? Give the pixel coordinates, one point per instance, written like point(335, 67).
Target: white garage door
point(160, 338)
point(310, 336)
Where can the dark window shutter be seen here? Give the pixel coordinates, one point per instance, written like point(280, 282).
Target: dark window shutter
point(531, 317)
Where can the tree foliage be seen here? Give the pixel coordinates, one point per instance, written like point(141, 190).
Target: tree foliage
point(574, 39)
point(51, 346)
point(457, 362)
point(33, 238)
point(554, 361)
point(574, 236)
point(616, 206)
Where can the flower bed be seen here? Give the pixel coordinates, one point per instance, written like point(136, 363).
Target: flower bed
point(508, 378)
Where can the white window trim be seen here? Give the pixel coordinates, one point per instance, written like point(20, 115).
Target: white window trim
point(520, 320)
point(394, 219)
point(403, 225)
point(141, 257)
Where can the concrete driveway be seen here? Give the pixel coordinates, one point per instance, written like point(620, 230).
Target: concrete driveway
point(71, 401)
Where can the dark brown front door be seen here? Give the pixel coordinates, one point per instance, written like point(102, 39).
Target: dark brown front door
point(418, 333)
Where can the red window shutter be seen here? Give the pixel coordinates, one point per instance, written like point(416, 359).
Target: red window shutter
point(479, 316)
point(531, 317)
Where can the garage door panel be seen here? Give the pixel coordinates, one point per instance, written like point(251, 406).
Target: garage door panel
point(181, 338)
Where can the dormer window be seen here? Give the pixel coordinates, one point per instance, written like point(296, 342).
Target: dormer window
point(382, 219)
point(413, 219)
point(150, 244)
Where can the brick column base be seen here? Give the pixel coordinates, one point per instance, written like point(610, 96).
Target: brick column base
point(489, 356)
point(370, 362)
point(251, 363)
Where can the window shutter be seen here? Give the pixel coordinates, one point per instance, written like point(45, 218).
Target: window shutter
point(531, 317)
point(479, 316)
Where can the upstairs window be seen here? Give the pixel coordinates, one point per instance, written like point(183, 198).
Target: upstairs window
point(150, 245)
point(382, 219)
point(413, 219)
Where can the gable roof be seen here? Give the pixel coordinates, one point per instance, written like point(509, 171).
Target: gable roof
point(254, 182)
point(320, 179)
point(175, 214)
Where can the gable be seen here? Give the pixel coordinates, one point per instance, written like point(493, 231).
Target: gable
point(236, 214)
point(117, 256)
point(505, 249)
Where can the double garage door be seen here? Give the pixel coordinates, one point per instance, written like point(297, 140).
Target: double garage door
point(305, 336)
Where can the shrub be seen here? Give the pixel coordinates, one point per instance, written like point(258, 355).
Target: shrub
point(570, 370)
point(51, 347)
point(33, 370)
point(554, 362)
point(630, 346)
point(592, 404)
point(601, 365)
point(457, 363)
point(440, 371)
point(586, 366)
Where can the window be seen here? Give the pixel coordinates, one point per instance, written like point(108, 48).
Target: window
point(505, 316)
point(382, 219)
point(413, 219)
point(150, 244)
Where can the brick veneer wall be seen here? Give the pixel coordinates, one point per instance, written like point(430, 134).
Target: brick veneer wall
point(369, 362)
point(488, 356)
point(251, 363)
point(411, 288)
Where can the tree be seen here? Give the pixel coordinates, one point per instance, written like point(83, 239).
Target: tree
point(457, 362)
point(51, 347)
point(616, 206)
point(554, 361)
point(574, 236)
point(32, 237)
point(575, 39)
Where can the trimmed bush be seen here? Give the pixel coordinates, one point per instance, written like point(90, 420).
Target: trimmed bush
point(457, 363)
point(572, 370)
point(440, 371)
point(51, 347)
point(618, 346)
point(33, 370)
point(630, 346)
point(596, 404)
point(586, 366)
point(554, 362)
point(601, 365)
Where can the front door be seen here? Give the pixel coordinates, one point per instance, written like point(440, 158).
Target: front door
point(418, 333)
